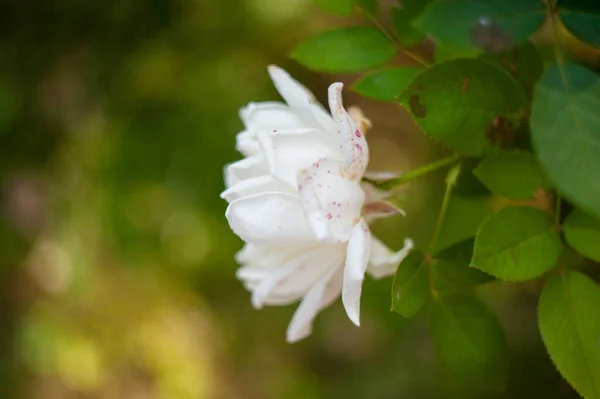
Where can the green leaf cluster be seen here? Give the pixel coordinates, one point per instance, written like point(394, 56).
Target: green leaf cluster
point(522, 112)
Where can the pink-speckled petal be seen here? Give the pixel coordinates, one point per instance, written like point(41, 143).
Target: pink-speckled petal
point(357, 260)
point(352, 141)
point(331, 203)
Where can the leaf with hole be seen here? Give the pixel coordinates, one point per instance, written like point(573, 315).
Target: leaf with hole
point(345, 50)
point(569, 322)
point(516, 244)
point(565, 130)
point(465, 104)
point(490, 25)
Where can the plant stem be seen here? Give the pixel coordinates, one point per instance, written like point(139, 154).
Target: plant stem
point(416, 173)
point(450, 182)
point(395, 42)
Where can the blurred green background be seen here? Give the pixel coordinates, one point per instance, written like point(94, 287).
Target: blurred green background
point(116, 261)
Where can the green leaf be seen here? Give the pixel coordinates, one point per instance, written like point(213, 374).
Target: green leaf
point(410, 289)
point(385, 85)
point(451, 102)
point(582, 18)
point(341, 7)
point(467, 184)
point(582, 232)
point(490, 25)
point(469, 340)
point(345, 50)
point(569, 322)
point(516, 244)
point(402, 21)
point(453, 264)
point(513, 174)
point(565, 130)
point(523, 63)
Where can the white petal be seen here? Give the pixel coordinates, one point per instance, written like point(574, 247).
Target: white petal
point(247, 143)
point(297, 272)
point(351, 140)
point(331, 203)
point(318, 298)
point(357, 259)
point(287, 152)
point(301, 100)
point(244, 169)
point(383, 261)
point(255, 185)
point(269, 218)
point(270, 116)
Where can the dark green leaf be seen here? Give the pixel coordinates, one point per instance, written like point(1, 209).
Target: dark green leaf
point(513, 174)
point(387, 84)
point(410, 289)
point(451, 102)
point(565, 130)
point(453, 264)
point(569, 322)
point(467, 184)
point(402, 21)
point(469, 340)
point(582, 17)
point(345, 50)
point(516, 244)
point(490, 25)
point(369, 6)
point(582, 232)
point(524, 63)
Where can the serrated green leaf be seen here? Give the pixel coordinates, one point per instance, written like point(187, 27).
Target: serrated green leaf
point(565, 130)
point(345, 50)
point(469, 340)
point(582, 232)
point(402, 21)
point(453, 264)
point(523, 63)
point(387, 84)
point(491, 25)
point(516, 244)
point(452, 103)
point(513, 174)
point(410, 289)
point(582, 18)
point(569, 322)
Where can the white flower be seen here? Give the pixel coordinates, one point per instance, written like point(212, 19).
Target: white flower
point(297, 201)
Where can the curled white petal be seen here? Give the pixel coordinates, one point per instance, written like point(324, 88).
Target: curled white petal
point(357, 260)
point(383, 261)
point(352, 141)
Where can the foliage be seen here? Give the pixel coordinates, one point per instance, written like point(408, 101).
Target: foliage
point(519, 106)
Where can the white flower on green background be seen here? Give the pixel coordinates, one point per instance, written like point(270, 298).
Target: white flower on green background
point(297, 201)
